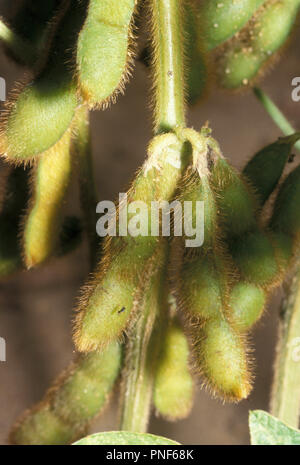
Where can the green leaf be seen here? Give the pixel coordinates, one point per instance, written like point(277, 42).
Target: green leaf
point(123, 438)
point(268, 430)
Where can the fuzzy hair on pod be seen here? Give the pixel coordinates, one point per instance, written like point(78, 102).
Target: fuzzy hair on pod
point(50, 180)
point(220, 354)
point(174, 385)
point(39, 113)
point(249, 245)
point(246, 56)
point(202, 290)
point(75, 399)
point(247, 302)
point(109, 301)
point(103, 51)
point(235, 199)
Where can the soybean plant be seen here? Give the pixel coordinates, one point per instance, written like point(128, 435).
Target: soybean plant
point(156, 311)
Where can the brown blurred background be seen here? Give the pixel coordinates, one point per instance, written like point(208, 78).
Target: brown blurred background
point(36, 306)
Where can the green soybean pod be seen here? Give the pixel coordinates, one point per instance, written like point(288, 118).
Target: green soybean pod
point(39, 115)
point(255, 256)
point(51, 178)
point(204, 272)
point(13, 203)
point(109, 301)
point(74, 400)
point(220, 20)
point(265, 169)
point(250, 51)
point(247, 302)
point(286, 217)
point(235, 198)
point(173, 386)
point(103, 50)
point(204, 285)
point(220, 353)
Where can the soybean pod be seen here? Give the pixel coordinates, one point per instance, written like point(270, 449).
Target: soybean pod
point(110, 300)
point(220, 20)
point(73, 401)
point(37, 116)
point(249, 52)
point(203, 295)
point(103, 51)
point(174, 385)
point(250, 246)
point(50, 180)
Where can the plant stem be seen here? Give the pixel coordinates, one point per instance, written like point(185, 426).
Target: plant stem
point(285, 399)
point(16, 44)
point(168, 64)
point(142, 353)
point(88, 198)
point(276, 115)
point(169, 112)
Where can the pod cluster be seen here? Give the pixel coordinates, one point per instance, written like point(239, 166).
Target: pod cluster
point(46, 118)
point(222, 284)
point(232, 44)
point(208, 296)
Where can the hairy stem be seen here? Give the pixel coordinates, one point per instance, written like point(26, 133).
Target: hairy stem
point(168, 64)
point(142, 352)
point(285, 400)
point(17, 45)
point(169, 112)
point(88, 198)
point(276, 115)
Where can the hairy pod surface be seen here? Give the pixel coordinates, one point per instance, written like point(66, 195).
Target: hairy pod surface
point(14, 201)
point(203, 277)
point(247, 302)
point(245, 55)
point(203, 293)
point(103, 49)
point(221, 20)
point(75, 399)
point(51, 178)
point(265, 169)
point(220, 353)
point(256, 258)
point(286, 217)
point(173, 389)
point(109, 301)
point(236, 201)
point(39, 115)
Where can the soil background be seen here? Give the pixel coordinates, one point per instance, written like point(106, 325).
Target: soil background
point(36, 307)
